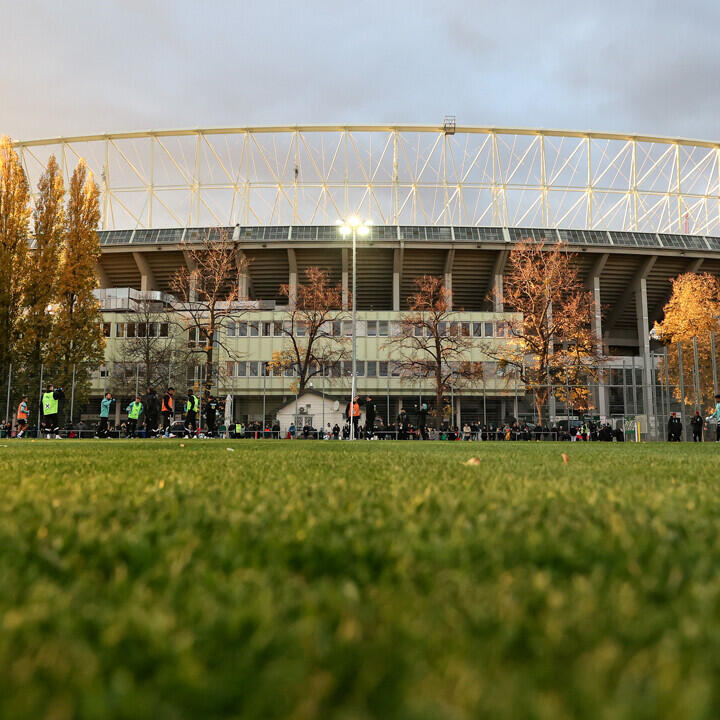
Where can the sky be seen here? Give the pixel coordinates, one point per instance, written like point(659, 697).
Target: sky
point(76, 67)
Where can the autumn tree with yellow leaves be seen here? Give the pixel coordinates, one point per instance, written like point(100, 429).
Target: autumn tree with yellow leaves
point(691, 313)
point(14, 229)
point(77, 338)
point(39, 291)
point(549, 340)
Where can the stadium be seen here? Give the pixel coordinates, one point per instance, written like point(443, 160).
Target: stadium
point(443, 200)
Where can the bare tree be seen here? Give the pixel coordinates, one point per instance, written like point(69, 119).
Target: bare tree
point(207, 291)
point(432, 343)
point(313, 337)
point(150, 351)
point(549, 340)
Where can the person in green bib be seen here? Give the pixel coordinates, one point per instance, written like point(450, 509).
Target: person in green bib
point(51, 400)
point(192, 405)
point(134, 410)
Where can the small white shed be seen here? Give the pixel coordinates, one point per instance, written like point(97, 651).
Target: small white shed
point(312, 410)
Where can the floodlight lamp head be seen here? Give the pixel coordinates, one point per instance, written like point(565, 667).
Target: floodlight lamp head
point(345, 230)
point(353, 221)
point(363, 230)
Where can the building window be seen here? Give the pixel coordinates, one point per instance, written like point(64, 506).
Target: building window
point(371, 368)
point(277, 329)
point(141, 330)
point(500, 329)
point(442, 328)
point(395, 369)
point(371, 328)
point(253, 368)
point(300, 329)
point(337, 328)
point(419, 330)
point(254, 329)
point(346, 328)
point(382, 368)
point(477, 329)
point(489, 330)
point(382, 328)
point(107, 329)
point(359, 368)
point(130, 330)
point(241, 369)
point(164, 330)
point(267, 329)
point(465, 329)
point(241, 329)
point(230, 330)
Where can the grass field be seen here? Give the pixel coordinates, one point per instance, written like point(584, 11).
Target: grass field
point(373, 580)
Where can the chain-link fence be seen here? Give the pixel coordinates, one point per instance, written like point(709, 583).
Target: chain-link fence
point(666, 397)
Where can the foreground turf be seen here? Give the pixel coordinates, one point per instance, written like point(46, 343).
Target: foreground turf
point(374, 580)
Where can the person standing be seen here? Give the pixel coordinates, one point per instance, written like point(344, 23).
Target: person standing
point(716, 417)
point(674, 428)
point(105, 405)
point(134, 410)
point(402, 425)
point(51, 405)
point(697, 424)
point(352, 412)
point(191, 408)
point(370, 415)
point(422, 421)
point(167, 408)
point(22, 416)
point(151, 408)
point(211, 409)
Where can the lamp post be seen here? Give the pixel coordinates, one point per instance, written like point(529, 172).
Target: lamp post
point(355, 227)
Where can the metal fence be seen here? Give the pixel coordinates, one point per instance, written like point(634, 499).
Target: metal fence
point(629, 395)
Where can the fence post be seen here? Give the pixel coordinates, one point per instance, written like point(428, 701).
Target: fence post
point(698, 396)
point(37, 431)
point(714, 363)
point(72, 395)
point(682, 387)
point(7, 402)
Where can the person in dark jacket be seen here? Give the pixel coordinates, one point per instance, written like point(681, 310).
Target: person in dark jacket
point(151, 407)
point(402, 425)
point(697, 423)
point(211, 410)
point(422, 421)
point(167, 409)
point(370, 414)
point(51, 401)
point(674, 428)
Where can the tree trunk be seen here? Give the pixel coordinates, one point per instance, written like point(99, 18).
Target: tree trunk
point(438, 407)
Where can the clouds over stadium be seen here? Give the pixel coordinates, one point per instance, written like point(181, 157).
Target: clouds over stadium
point(646, 67)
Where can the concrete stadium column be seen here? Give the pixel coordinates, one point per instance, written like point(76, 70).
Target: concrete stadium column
point(496, 281)
point(449, 260)
point(643, 329)
point(102, 276)
point(397, 274)
point(147, 279)
point(292, 277)
point(192, 267)
point(593, 285)
point(243, 275)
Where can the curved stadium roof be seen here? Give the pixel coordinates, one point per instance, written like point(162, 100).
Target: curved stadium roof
point(467, 181)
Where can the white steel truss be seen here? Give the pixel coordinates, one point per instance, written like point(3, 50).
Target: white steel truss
point(395, 175)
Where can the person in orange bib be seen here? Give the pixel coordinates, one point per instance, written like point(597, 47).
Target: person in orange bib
point(22, 416)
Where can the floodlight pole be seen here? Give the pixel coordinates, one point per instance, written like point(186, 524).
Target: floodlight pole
point(354, 334)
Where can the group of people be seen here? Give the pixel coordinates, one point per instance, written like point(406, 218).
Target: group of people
point(151, 415)
point(697, 423)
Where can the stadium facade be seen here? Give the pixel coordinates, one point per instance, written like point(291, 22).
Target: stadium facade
point(444, 200)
